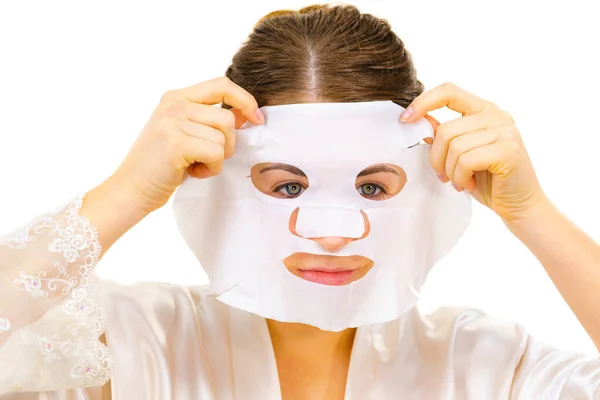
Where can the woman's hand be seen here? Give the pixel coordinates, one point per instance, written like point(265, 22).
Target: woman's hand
point(481, 152)
point(185, 134)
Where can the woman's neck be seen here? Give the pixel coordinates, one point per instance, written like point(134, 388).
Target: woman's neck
point(311, 362)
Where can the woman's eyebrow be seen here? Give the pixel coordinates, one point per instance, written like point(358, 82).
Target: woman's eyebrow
point(285, 167)
point(375, 169)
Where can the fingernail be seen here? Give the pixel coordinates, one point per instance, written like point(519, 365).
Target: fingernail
point(442, 177)
point(458, 188)
point(260, 115)
point(406, 114)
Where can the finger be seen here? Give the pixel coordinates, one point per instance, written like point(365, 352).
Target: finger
point(215, 168)
point(434, 124)
point(450, 130)
point(224, 90)
point(200, 131)
point(204, 151)
point(200, 171)
point(475, 122)
point(239, 118)
point(446, 95)
point(463, 144)
point(479, 159)
point(218, 118)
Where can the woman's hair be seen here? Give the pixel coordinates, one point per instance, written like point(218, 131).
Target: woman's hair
point(324, 53)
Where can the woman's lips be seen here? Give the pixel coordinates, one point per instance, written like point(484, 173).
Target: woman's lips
point(326, 269)
point(332, 278)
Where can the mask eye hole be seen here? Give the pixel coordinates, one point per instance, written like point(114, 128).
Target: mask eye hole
point(283, 181)
point(380, 181)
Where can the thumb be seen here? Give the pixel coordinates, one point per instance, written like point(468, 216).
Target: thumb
point(239, 118)
point(434, 122)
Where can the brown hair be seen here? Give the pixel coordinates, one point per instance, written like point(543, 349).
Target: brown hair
point(324, 53)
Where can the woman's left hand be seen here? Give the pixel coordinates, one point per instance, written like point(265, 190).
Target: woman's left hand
point(481, 152)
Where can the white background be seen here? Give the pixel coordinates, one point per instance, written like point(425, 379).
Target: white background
point(78, 81)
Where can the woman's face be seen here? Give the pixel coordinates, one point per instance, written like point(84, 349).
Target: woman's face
point(377, 182)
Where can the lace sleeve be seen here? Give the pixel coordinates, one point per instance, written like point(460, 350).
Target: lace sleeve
point(51, 317)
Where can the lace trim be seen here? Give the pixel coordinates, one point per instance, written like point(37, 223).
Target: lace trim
point(4, 325)
point(70, 236)
point(76, 239)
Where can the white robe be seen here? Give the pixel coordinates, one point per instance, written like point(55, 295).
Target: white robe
point(168, 341)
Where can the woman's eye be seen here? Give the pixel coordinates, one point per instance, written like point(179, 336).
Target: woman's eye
point(289, 190)
point(371, 190)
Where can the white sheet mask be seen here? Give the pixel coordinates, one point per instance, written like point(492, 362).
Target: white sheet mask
point(241, 235)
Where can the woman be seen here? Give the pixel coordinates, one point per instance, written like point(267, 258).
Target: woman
point(59, 325)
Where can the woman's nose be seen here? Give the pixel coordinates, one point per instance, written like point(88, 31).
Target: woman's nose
point(332, 243)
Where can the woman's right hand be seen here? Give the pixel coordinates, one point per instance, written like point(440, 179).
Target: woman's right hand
point(186, 134)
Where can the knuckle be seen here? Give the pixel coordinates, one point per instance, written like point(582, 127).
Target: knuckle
point(449, 87)
point(508, 131)
point(508, 153)
point(442, 132)
point(174, 109)
point(458, 178)
point(462, 180)
point(462, 164)
point(219, 137)
point(490, 106)
point(229, 119)
point(455, 147)
point(169, 95)
point(214, 153)
point(511, 132)
point(224, 81)
point(506, 116)
point(512, 148)
point(167, 125)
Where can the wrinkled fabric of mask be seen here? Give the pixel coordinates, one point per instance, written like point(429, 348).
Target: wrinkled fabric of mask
point(241, 235)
